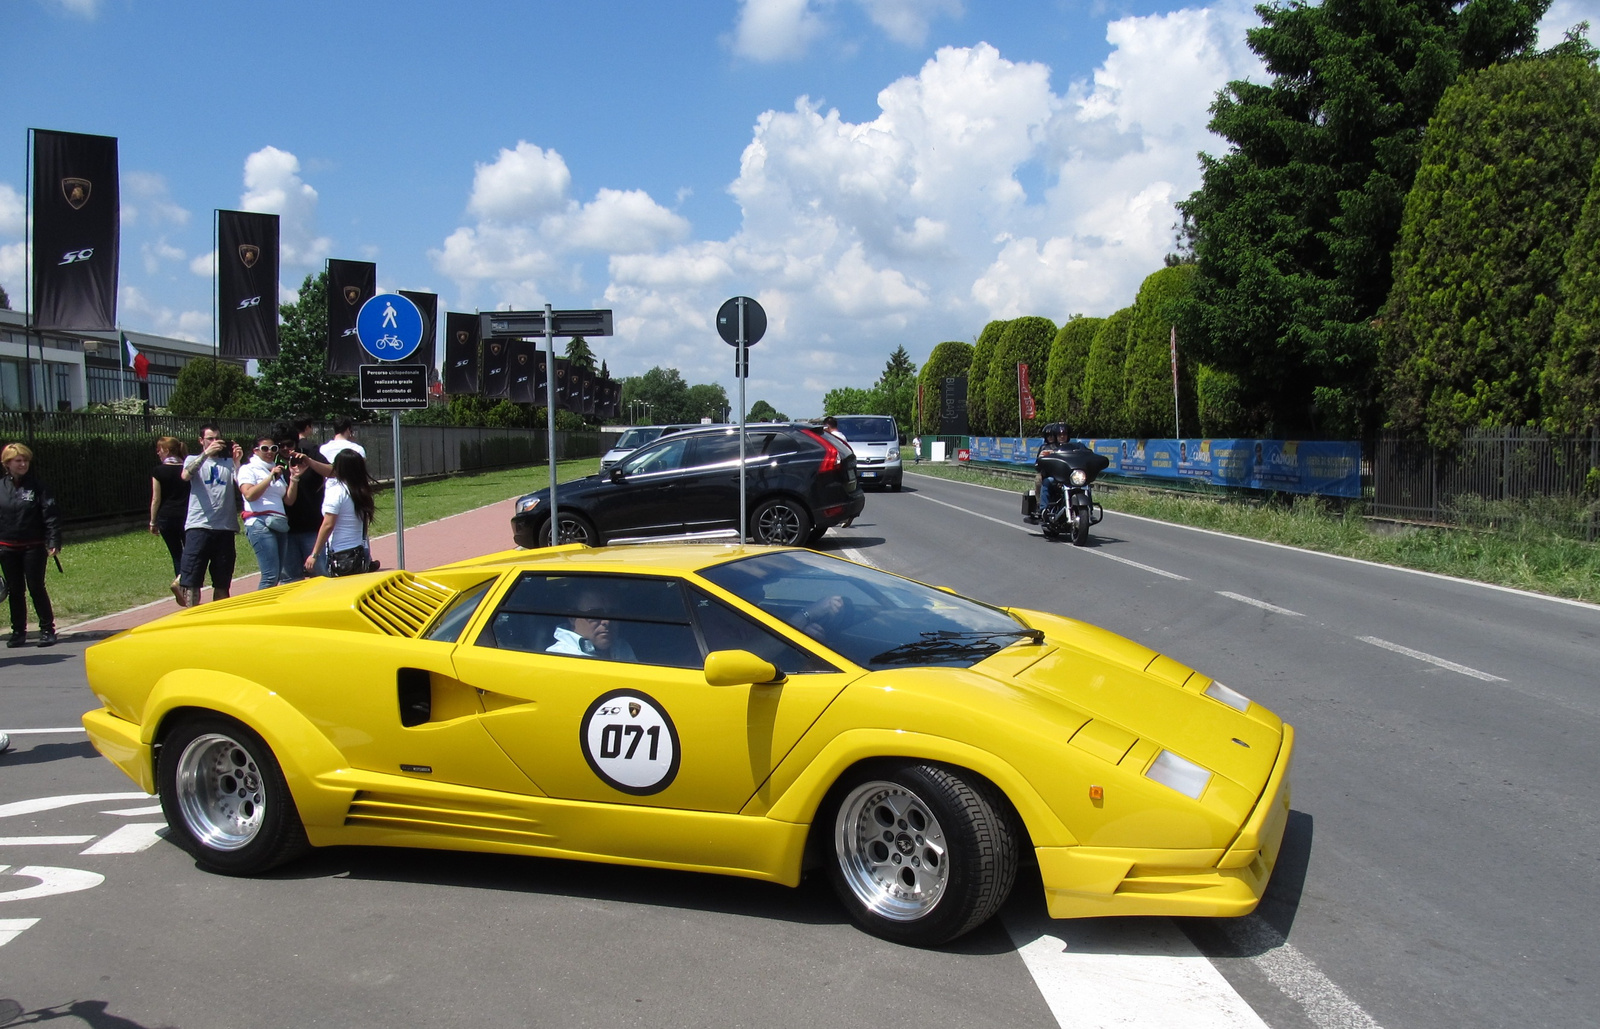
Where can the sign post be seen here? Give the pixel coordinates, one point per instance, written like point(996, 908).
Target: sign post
point(389, 327)
point(741, 322)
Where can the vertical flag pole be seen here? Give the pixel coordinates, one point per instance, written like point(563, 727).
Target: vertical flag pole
point(1019, 400)
point(122, 363)
point(399, 503)
point(1177, 429)
point(550, 416)
point(741, 369)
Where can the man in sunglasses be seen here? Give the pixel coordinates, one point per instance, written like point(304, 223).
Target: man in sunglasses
point(589, 633)
point(213, 518)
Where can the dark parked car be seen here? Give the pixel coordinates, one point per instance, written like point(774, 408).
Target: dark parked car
point(800, 480)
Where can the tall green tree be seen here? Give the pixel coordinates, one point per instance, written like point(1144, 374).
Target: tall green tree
point(850, 400)
point(207, 388)
point(706, 401)
point(1026, 341)
point(1147, 373)
point(1293, 226)
point(761, 411)
point(1103, 377)
point(578, 352)
point(5, 301)
point(897, 388)
point(1069, 360)
point(1488, 226)
point(1570, 385)
point(978, 378)
point(296, 382)
point(949, 360)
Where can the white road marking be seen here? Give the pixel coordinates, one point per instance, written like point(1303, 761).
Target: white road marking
point(987, 518)
point(129, 839)
point(153, 809)
point(852, 554)
point(42, 841)
point(1141, 567)
point(38, 804)
point(1295, 974)
point(43, 732)
point(1420, 656)
point(51, 882)
point(1262, 604)
point(1121, 972)
point(11, 928)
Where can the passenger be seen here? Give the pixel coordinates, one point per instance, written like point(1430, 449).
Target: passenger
point(590, 633)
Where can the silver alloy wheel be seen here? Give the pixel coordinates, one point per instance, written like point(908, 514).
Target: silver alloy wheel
point(892, 851)
point(220, 792)
point(574, 530)
point(780, 524)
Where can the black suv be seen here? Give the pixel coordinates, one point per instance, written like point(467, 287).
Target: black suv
point(799, 481)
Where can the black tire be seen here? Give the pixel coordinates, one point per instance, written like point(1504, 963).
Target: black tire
point(781, 522)
point(1080, 527)
point(816, 535)
point(575, 528)
point(225, 797)
point(894, 487)
point(902, 884)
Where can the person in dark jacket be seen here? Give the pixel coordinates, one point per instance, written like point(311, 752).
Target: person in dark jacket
point(30, 534)
point(169, 503)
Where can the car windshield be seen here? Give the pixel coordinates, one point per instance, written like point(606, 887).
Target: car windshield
point(874, 619)
point(867, 429)
point(635, 438)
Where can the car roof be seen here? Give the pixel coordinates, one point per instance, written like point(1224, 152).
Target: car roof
point(635, 558)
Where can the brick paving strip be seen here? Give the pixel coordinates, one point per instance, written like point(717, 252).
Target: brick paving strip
point(483, 530)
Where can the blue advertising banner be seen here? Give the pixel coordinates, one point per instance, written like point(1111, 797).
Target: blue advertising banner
point(1330, 469)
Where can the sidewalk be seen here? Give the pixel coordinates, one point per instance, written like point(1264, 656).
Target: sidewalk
point(482, 530)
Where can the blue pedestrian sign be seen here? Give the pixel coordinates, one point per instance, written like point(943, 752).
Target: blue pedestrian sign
point(389, 327)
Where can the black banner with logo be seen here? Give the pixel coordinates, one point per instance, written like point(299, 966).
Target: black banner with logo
point(428, 350)
point(350, 284)
point(587, 379)
point(77, 218)
point(247, 284)
point(496, 356)
point(522, 369)
point(460, 353)
point(608, 398)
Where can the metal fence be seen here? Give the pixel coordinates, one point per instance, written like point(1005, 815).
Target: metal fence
point(1493, 477)
point(98, 465)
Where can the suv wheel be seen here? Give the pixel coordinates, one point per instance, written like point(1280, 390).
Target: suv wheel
point(781, 522)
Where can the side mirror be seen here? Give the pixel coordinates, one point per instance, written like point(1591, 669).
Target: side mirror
point(740, 668)
point(617, 475)
point(947, 589)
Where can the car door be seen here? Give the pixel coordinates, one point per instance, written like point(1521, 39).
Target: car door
point(640, 726)
point(646, 500)
point(708, 493)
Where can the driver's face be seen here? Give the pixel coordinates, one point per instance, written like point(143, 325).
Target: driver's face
point(595, 630)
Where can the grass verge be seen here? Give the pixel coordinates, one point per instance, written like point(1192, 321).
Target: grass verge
point(113, 573)
point(1522, 555)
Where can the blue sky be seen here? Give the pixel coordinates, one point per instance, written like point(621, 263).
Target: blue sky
point(876, 172)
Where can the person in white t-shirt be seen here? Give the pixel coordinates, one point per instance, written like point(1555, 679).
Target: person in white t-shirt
point(263, 486)
point(347, 510)
point(344, 431)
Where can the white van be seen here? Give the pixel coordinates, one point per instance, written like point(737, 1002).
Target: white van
point(876, 441)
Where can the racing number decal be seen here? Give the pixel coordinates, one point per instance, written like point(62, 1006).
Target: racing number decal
point(630, 742)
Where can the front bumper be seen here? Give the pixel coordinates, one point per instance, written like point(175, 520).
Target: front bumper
point(118, 740)
point(1083, 882)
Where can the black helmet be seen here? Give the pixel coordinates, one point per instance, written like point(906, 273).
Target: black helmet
point(1054, 432)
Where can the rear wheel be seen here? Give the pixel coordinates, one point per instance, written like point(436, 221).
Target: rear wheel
point(922, 854)
point(781, 522)
point(225, 797)
point(575, 528)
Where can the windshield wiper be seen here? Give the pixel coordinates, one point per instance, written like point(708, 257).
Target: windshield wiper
point(946, 643)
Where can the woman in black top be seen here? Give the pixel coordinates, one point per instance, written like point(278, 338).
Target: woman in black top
point(169, 502)
point(30, 533)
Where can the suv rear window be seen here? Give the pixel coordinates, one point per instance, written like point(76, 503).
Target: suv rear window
point(867, 429)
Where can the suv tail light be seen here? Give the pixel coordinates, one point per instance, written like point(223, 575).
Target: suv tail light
point(830, 453)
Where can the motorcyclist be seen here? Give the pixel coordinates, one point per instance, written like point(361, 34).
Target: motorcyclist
point(1056, 439)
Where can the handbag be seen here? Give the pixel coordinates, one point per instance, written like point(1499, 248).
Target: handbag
point(353, 561)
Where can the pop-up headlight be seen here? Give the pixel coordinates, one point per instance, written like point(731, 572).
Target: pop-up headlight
point(1233, 698)
point(1179, 774)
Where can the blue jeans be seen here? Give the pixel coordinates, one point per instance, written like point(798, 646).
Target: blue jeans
point(297, 548)
point(271, 549)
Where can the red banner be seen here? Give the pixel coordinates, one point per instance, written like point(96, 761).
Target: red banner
point(1028, 407)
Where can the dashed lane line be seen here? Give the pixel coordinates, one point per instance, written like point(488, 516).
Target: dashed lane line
point(1295, 974)
point(1142, 567)
point(42, 841)
point(1431, 659)
point(1262, 604)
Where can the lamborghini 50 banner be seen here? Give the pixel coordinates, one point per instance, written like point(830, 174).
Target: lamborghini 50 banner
point(523, 368)
point(247, 284)
point(1330, 469)
point(460, 353)
point(350, 284)
point(76, 224)
point(428, 351)
point(496, 357)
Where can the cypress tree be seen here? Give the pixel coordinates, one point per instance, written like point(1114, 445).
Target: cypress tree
point(977, 377)
point(1102, 380)
point(1069, 359)
point(1026, 341)
point(1570, 386)
point(949, 359)
point(1147, 374)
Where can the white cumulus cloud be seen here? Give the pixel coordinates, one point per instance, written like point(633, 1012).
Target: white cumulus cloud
point(12, 211)
point(135, 307)
point(273, 185)
point(783, 30)
point(521, 183)
point(146, 200)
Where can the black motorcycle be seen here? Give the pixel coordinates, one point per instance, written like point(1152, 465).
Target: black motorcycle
point(1067, 474)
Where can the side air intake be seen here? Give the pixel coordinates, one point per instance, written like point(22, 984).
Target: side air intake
point(402, 605)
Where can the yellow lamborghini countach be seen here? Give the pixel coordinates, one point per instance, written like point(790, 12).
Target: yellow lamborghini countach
point(750, 711)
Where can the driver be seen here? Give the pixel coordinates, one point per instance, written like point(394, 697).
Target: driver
point(589, 633)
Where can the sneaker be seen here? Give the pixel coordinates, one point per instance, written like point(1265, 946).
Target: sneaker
point(5, 743)
point(177, 593)
point(47, 637)
point(16, 639)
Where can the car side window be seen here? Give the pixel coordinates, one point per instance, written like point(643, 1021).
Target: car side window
point(447, 627)
point(635, 619)
point(660, 457)
point(726, 629)
point(722, 448)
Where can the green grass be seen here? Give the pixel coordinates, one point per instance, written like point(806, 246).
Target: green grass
point(1523, 553)
point(112, 573)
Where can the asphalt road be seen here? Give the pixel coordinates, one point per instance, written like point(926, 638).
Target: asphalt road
point(1439, 869)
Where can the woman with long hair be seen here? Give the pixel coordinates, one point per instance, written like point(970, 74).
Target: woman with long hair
point(30, 533)
point(347, 510)
point(169, 502)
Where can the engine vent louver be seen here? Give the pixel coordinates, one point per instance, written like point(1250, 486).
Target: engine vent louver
point(403, 605)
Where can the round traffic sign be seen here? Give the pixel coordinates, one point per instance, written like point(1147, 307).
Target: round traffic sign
point(755, 322)
point(389, 327)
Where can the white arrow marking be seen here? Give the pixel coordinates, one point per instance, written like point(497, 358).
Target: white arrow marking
point(130, 839)
point(38, 804)
point(51, 882)
point(11, 928)
point(41, 841)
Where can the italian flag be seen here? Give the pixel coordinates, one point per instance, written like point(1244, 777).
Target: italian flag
point(137, 361)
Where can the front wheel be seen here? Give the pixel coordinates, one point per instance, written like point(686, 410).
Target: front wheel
point(1080, 526)
point(575, 528)
point(225, 797)
point(781, 522)
point(922, 854)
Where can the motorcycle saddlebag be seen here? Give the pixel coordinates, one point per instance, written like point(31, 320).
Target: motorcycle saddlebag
point(1030, 504)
